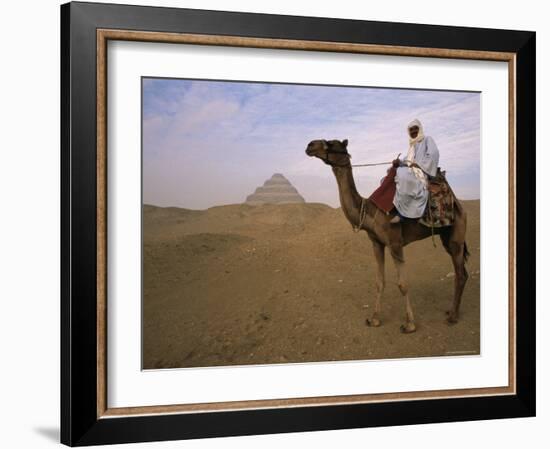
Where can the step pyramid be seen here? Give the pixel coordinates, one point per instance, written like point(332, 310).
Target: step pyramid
point(276, 190)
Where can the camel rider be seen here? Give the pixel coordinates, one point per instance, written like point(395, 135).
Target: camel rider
point(413, 172)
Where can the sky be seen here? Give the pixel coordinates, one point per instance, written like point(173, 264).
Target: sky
point(208, 143)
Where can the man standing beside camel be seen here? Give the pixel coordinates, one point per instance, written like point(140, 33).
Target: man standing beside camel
point(411, 177)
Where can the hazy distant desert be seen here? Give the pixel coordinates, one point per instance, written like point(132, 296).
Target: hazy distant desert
point(241, 284)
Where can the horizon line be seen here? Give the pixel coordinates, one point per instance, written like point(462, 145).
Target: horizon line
point(265, 204)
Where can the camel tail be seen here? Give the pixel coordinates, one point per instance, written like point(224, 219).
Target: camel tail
point(466, 253)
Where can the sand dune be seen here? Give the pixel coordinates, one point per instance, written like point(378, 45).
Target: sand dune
point(243, 284)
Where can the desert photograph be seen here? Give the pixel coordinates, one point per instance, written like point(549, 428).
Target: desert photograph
point(288, 223)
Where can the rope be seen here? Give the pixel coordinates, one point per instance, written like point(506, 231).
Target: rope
point(431, 217)
point(372, 165)
point(376, 163)
point(362, 216)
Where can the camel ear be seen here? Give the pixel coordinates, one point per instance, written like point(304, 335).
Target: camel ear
point(345, 143)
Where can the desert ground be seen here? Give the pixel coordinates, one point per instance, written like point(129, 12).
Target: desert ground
point(241, 284)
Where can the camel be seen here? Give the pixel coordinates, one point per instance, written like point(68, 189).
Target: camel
point(364, 215)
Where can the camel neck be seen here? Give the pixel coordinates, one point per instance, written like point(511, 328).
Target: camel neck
point(350, 200)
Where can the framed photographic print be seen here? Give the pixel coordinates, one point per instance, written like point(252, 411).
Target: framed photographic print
point(277, 224)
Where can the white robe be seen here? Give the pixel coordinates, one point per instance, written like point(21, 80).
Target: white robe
point(411, 195)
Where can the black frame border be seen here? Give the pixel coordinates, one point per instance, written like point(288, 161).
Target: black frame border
point(79, 422)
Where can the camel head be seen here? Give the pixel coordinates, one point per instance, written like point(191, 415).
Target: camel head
point(331, 152)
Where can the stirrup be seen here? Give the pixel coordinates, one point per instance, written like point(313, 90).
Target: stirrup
point(396, 219)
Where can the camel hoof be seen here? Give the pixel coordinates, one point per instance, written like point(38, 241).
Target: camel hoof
point(408, 328)
point(373, 322)
point(452, 318)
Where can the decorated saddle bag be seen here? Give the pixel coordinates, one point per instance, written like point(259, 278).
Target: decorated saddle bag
point(440, 210)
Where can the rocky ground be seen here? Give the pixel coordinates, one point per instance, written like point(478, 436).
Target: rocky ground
point(243, 284)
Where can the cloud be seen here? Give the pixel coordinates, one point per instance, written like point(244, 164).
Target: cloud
point(213, 142)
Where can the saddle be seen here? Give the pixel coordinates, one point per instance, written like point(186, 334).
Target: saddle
point(440, 210)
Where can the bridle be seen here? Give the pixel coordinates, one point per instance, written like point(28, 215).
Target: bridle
point(330, 151)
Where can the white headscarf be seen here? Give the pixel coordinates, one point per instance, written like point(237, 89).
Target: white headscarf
point(420, 136)
point(410, 154)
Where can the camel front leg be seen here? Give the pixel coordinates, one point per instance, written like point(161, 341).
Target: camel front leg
point(378, 249)
point(397, 255)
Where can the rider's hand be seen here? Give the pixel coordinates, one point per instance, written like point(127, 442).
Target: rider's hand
point(396, 163)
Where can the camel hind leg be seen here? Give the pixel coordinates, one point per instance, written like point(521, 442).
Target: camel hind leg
point(456, 247)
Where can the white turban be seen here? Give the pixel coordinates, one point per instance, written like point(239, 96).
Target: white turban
point(420, 135)
point(410, 154)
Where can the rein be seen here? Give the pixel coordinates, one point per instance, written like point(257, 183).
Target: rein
point(330, 151)
point(372, 165)
point(376, 163)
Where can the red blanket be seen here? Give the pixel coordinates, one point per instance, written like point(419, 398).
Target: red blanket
point(383, 196)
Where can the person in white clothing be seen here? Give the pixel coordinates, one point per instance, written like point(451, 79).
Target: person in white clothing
point(413, 172)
